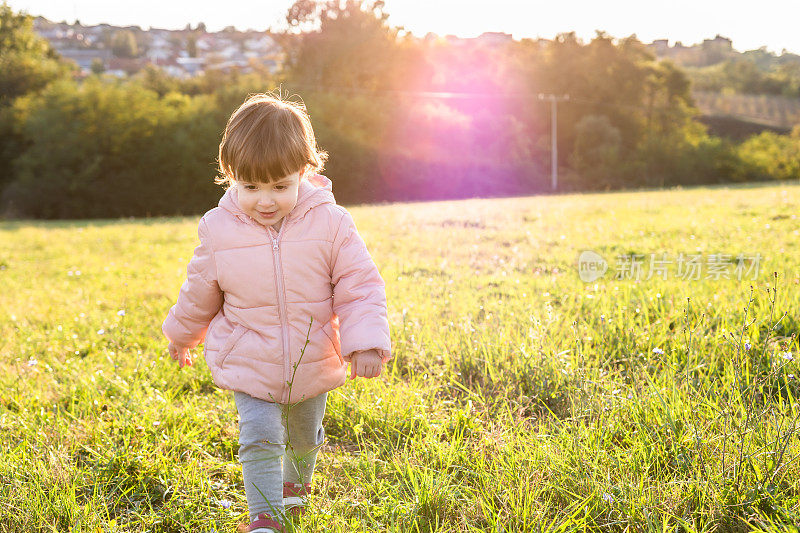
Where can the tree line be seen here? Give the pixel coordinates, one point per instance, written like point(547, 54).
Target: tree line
point(402, 119)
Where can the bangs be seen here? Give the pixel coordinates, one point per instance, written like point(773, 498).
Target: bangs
point(267, 139)
point(268, 150)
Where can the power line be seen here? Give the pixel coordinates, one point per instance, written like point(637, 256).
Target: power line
point(452, 95)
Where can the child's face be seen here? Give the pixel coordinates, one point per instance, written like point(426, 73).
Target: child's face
point(269, 203)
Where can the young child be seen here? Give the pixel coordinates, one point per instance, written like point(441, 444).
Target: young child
point(283, 293)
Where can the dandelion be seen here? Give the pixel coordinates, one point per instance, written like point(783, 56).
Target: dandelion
point(658, 351)
point(121, 312)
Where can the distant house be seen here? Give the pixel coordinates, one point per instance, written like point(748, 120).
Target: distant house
point(495, 38)
point(85, 56)
point(226, 66)
point(192, 65)
point(207, 43)
point(230, 52)
point(489, 38)
point(718, 43)
point(164, 48)
point(159, 52)
point(122, 65)
point(454, 40)
point(262, 45)
point(661, 46)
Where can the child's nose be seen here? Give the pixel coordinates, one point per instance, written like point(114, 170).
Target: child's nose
point(265, 200)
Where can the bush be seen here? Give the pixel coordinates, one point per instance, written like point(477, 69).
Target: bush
point(770, 156)
point(110, 150)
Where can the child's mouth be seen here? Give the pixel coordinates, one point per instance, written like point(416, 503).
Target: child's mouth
point(267, 215)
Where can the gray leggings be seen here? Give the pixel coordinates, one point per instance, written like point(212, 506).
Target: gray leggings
point(262, 447)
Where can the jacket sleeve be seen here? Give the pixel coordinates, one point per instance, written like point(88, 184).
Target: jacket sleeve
point(200, 297)
point(359, 295)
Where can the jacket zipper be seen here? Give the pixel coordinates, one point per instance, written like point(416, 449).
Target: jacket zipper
point(276, 258)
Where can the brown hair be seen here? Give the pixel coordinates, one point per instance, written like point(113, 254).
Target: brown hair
point(265, 139)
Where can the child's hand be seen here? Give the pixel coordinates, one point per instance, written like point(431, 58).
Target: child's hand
point(180, 354)
point(366, 364)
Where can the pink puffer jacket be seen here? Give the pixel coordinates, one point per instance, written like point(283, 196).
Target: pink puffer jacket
point(252, 293)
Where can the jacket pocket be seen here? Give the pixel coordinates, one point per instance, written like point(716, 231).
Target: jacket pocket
point(327, 329)
point(230, 342)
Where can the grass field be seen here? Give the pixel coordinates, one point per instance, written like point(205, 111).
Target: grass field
point(520, 398)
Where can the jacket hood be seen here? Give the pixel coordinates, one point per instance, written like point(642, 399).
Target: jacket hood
point(314, 190)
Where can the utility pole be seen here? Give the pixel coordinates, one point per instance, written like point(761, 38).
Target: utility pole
point(554, 99)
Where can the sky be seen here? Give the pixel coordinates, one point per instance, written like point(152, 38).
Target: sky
point(751, 25)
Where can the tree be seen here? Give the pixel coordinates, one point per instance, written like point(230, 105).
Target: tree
point(27, 64)
point(123, 44)
point(596, 153)
point(97, 66)
point(191, 45)
point(352, 47)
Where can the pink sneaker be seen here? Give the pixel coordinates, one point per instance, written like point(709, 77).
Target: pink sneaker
point(294, 497)
point(263, 523)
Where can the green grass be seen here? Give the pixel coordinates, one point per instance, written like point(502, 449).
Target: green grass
point(519, 397)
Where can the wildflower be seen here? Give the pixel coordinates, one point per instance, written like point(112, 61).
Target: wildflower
point(121, 312)
point(225, 504)
point(658, 351)
point(747, 346)
point(32, 362)
point(787, 356)
point(101, 331)
point(608, 497)
point(615, 392)
point(602, 318)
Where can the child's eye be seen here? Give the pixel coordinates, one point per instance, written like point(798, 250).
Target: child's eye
point(250, 187)
point(280, 187)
